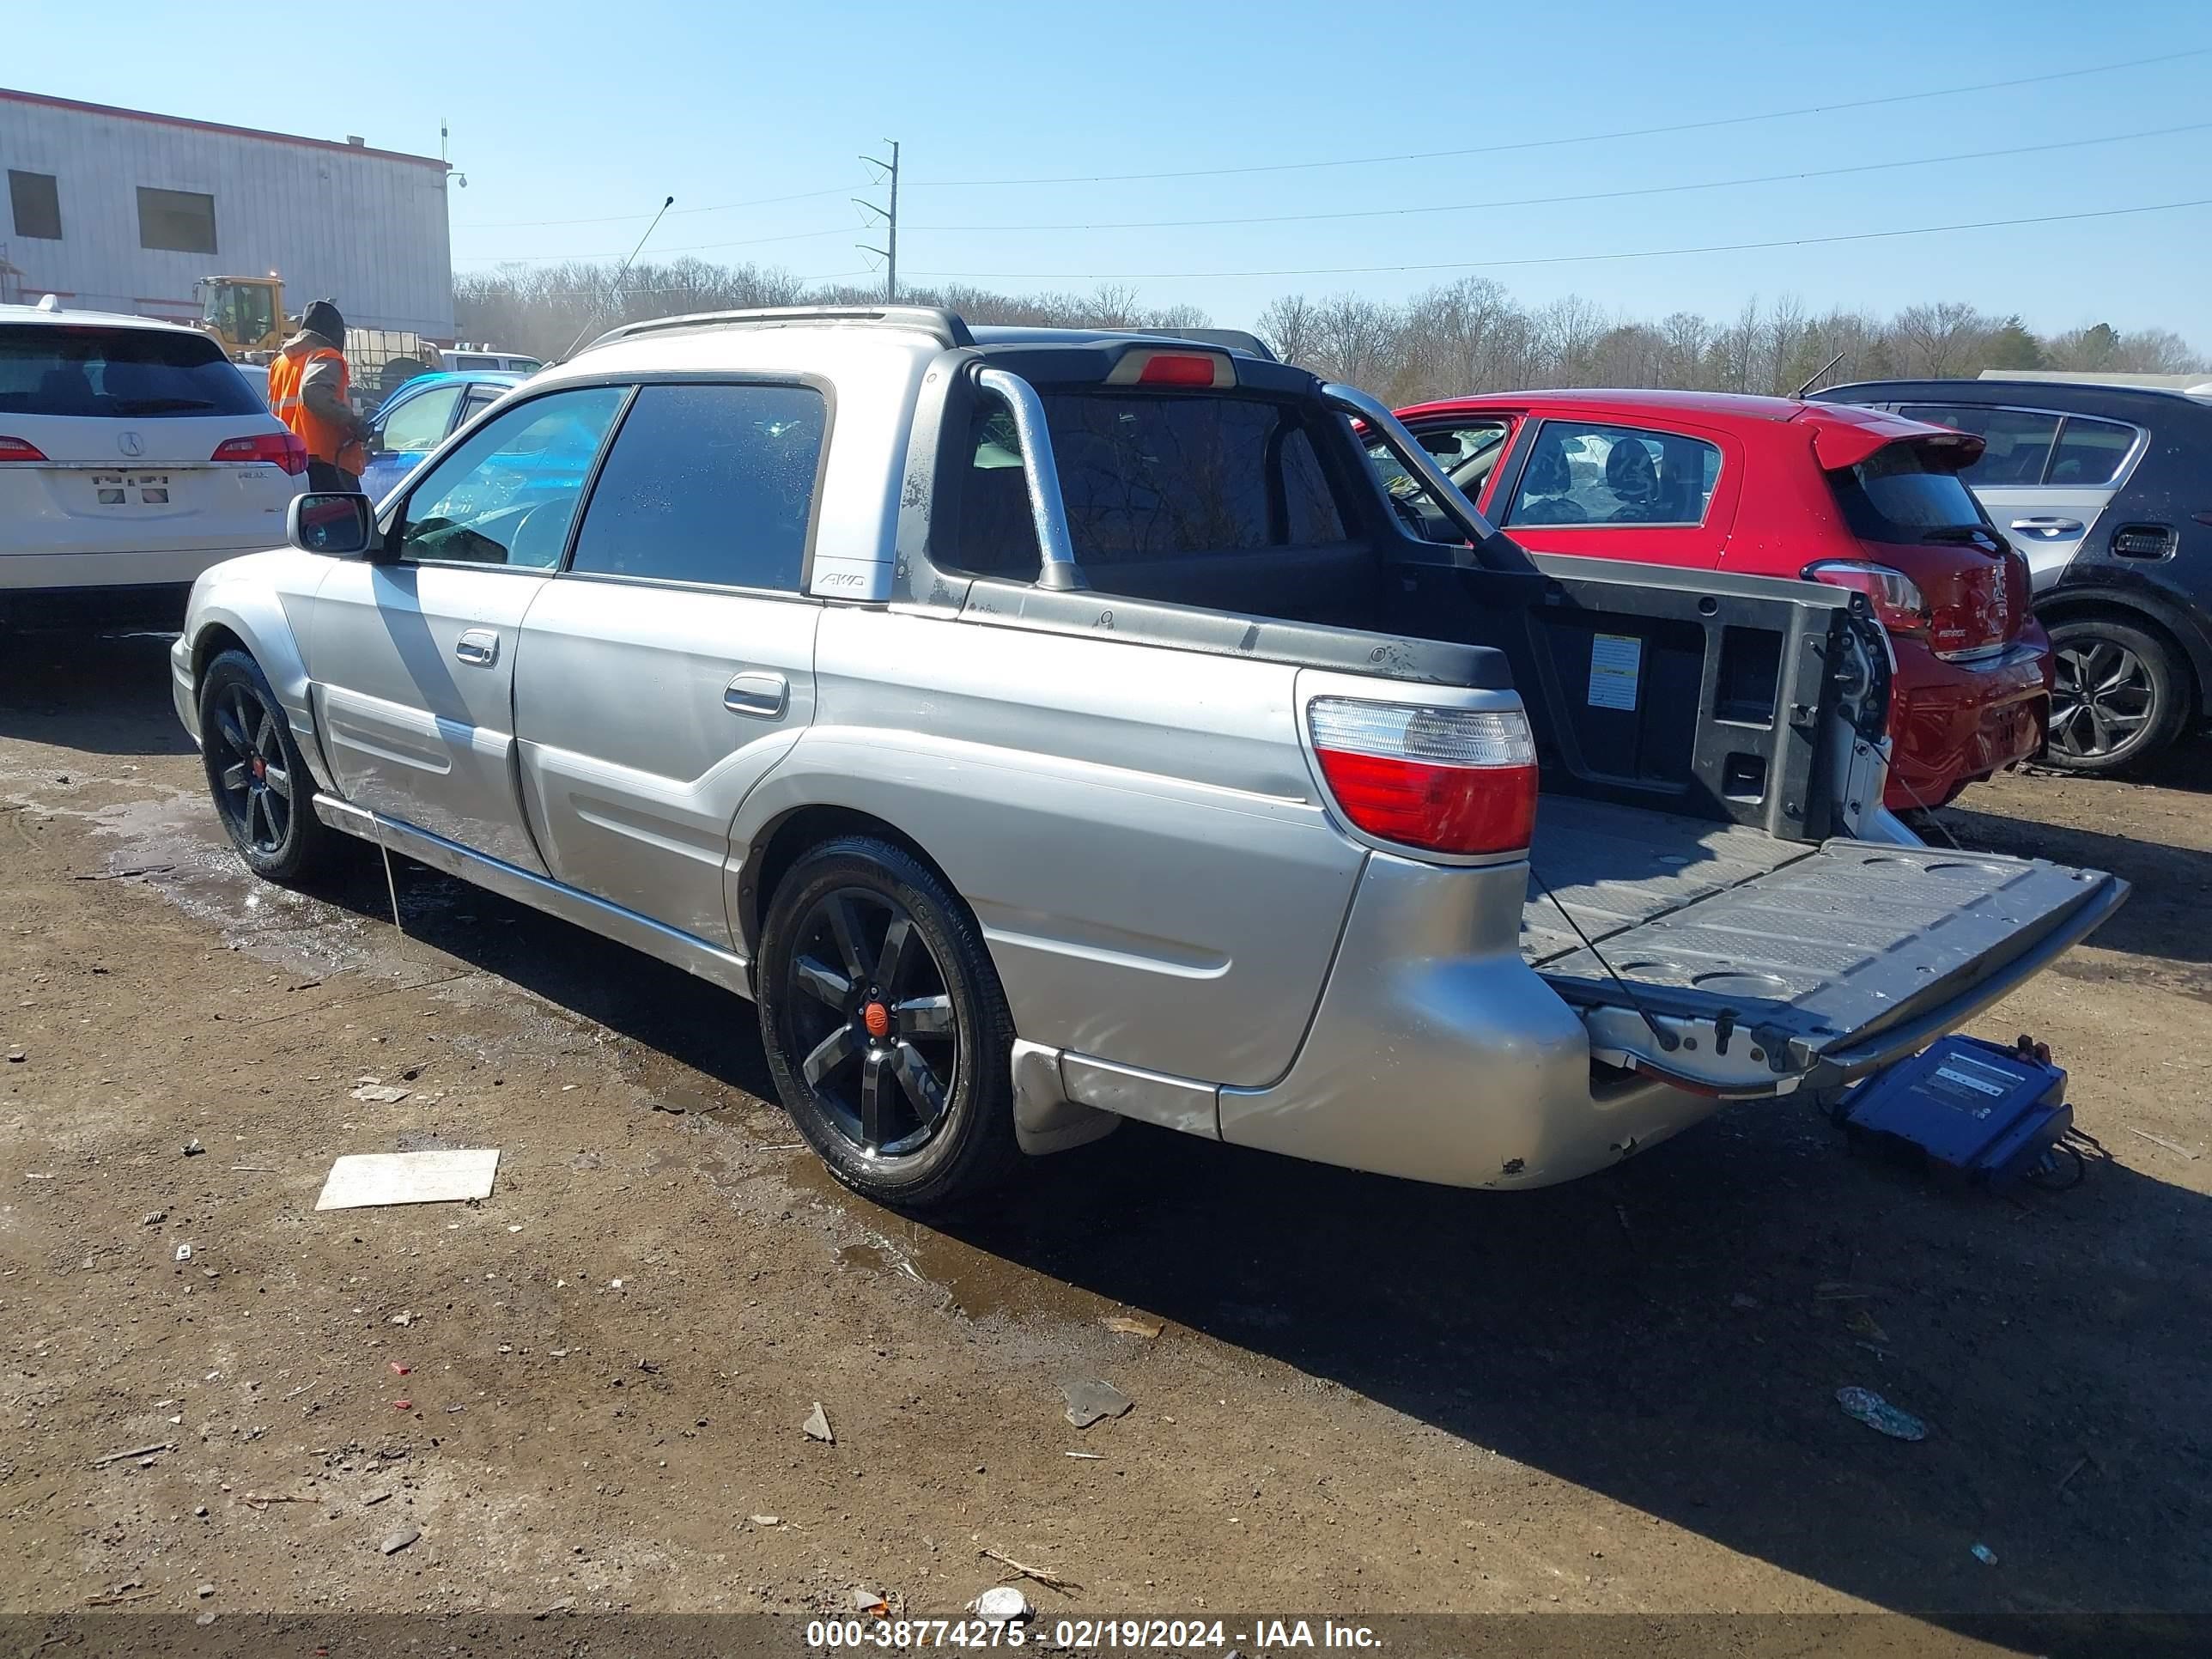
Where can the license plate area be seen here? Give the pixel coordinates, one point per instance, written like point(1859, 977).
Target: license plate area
point(127, 492)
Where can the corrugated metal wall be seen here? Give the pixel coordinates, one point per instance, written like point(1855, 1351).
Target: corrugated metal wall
point(366, 230)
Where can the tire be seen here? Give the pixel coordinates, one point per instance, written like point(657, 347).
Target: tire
point(895, 1060)
point(260, 783)
point(2121, 697)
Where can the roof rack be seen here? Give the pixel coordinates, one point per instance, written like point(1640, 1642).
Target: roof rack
point(949, 329)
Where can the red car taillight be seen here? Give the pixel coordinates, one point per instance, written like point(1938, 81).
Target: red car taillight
point(1897, 603)
point(1446, 780)
point(19, 449)
point(284, 449)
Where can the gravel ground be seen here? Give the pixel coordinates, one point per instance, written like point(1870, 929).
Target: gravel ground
point(589, 1390)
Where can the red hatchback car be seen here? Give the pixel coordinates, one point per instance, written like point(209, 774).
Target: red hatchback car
point(1773, 487)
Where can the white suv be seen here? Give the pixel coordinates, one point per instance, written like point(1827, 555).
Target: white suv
point(133, 455)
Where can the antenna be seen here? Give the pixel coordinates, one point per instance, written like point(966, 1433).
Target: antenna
point(888, 253)
point(615, 287)
point(1820, 373)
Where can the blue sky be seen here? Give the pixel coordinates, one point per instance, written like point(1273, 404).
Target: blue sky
point(564, 112)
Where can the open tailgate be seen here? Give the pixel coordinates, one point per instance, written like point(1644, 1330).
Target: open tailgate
point(1774, 966)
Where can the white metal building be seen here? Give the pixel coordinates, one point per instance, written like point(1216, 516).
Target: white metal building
point(115, 210)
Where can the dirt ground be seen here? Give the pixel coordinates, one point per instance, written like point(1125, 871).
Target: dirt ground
point(1617, 1395)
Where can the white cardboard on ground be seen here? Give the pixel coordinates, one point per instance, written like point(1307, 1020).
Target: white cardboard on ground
point(363, 1179)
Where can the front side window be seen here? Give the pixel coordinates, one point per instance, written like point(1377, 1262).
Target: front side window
point(2016, 443)
point(181, 220)
point(117, 373)
point(2089, 453)
point(708, 484)
point(1582, 474)
point(36, 200)
point(505, 496)
point(420, 423)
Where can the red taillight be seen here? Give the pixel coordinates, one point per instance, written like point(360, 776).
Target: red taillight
point(1175, 368)
point(19, 449)
point(284, 449)
point(1447, 779)
point(1896, 598)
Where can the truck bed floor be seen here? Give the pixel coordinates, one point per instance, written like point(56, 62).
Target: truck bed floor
point(1617, 868)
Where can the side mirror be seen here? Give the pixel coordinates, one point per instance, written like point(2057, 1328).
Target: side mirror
point(344, 525)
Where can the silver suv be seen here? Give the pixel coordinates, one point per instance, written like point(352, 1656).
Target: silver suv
point(1050, 728)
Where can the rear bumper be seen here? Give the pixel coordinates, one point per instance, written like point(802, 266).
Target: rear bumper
point(26, 573)
point(1955, 722)
point(1425, 1062)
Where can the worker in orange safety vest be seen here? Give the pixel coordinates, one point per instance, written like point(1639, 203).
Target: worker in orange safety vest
point(308, 384)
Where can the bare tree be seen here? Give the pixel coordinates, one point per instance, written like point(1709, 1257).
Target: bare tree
point(1941, 341)
point(1461, 336)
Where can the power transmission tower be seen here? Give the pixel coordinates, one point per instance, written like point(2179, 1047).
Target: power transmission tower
point(888, 253)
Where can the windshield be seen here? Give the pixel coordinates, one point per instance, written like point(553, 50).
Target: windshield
point(117, 374)
point(1903, 493)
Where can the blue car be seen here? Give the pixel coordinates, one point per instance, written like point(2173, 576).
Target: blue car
point(418, 417)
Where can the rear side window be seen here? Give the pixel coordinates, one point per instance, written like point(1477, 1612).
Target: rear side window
point(117, 373)
point(1901, 494)
point(708, 484)
point(2016, 442)
point(2089, 453)
point(1582, 474)
point(1147, 478)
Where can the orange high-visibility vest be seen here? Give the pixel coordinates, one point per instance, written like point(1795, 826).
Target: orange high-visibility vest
point(326, 440)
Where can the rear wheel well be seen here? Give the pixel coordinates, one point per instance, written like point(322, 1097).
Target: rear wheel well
point(2052, 612)
point(787, 841)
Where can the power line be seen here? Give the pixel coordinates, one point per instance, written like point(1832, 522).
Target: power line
point(1403, 212)
point(1591, 196)
point(1548, 259)
point(694, 247)
point(1579, 138)
point(1370, 160)
point(632, 218)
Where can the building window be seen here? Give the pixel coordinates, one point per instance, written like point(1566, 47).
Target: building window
point(179, 220)
point(38, 203)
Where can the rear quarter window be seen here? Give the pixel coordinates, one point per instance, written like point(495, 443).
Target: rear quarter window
point(117, 373)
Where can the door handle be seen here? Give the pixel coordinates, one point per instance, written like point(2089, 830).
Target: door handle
point(2050, 527)
point(478, 647)
point(763, 696)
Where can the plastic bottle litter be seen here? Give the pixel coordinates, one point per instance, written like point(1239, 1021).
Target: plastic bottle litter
point(1877, 1413)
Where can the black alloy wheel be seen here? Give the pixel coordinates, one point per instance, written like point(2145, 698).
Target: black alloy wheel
point(260, 785)
point(885, 1026)
point(874, 1021)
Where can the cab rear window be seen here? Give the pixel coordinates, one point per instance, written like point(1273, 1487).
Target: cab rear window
point(1901, 493)
point(117, 373)
point(1149, 477)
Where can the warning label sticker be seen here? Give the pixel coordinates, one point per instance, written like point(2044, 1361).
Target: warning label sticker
point(1616, 666)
